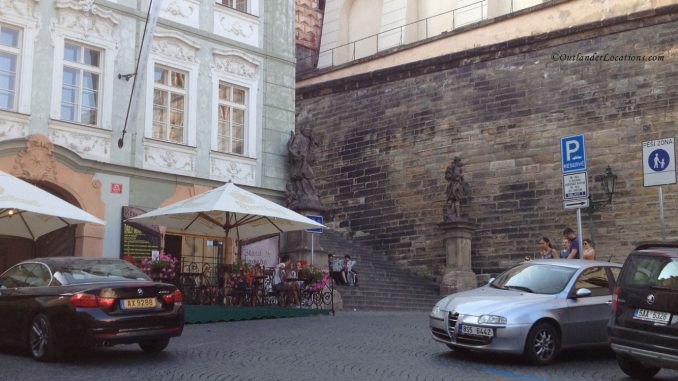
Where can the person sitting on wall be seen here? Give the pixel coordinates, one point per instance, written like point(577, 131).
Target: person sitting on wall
point(288, 291)
point(348, 275)
point(334, 266)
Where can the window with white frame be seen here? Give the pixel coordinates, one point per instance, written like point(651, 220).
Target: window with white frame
point(10, 51)
point(81, 85)
point(232, 111)
point(240, 5)
point(169, 104)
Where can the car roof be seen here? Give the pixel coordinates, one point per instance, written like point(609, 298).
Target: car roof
point(61, 261)
point(575, 263)
point(658, 247)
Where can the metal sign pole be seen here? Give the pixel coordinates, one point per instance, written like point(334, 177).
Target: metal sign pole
point(580, 251)
point(662, 225)
point(312, 240)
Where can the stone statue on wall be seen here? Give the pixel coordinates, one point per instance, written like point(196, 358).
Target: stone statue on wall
point(300, 191)
point(456, 191)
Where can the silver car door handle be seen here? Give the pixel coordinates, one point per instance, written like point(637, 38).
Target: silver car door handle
point(608, 302)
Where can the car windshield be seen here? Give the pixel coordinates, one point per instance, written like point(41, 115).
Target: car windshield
point(652, 271)
point(92, 271)
point(535, 278)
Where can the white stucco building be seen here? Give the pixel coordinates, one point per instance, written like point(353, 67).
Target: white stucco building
point(218, 105)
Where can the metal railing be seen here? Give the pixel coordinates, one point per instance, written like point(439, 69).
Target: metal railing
point(201, 284)
point(406, 34)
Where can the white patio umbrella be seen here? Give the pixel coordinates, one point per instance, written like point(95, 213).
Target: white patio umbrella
point(30, 212)
point(228, 211)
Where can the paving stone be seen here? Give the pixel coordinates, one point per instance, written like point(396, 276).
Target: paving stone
point(375, 346)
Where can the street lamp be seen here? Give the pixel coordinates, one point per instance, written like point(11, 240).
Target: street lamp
point(609, 184)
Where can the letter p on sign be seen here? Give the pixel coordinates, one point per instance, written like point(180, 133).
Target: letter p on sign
point(573, 153)
point(571, 147)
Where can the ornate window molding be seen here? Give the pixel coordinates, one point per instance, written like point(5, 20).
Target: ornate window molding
point(225, 167)
point(177, 51)
point(185, 12)
point(13, 125)
point(23, 15)
point(83, 22)
point(168, 157)
point(175, 47)
point(233, 62)
point(88, 142)
point(235, 25)
point(239, 69)
point(86, 19)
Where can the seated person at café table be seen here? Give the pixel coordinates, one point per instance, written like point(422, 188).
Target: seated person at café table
point(289, 290)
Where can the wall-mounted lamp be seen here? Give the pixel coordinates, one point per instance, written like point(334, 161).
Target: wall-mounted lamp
point(609, 184)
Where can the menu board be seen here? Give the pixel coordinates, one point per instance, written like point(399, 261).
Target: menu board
point(264, 252)
point(138, 240)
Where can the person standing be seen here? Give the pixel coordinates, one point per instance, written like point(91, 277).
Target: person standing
point(573, 250)
point(547, 250)
point(564, 248)
point(589, 251)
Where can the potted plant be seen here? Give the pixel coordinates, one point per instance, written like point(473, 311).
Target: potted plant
point(162, 269)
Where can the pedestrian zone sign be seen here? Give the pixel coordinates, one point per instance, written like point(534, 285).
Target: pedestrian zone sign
point(575, 185)
point(659, 162)
point(573, 153)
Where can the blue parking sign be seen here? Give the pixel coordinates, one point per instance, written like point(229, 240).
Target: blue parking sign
point(573, 153)
point(318, 219)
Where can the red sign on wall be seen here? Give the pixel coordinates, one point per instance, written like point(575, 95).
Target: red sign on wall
point(116, 188)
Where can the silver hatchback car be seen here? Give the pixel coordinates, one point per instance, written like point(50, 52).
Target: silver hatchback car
point(535, 308)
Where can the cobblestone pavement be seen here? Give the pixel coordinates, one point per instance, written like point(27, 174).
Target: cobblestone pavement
point(350, 346)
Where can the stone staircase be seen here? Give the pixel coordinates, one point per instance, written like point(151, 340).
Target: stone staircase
point(382, 285)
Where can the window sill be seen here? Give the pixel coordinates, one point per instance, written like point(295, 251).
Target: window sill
point(160, 142)
point(226, 8)
point(81, 126)
point(231, 155)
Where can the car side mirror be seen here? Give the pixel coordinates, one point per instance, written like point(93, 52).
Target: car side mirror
point(490, 281)
point(582, 293)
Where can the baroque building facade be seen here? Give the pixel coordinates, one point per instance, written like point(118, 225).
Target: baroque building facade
point(217, 105)
point(499, 91)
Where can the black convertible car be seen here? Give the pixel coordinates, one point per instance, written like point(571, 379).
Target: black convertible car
point(51, 304)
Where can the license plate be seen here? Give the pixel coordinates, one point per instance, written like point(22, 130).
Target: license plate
point(473, 330)
point(129, 304)
point(653, 316)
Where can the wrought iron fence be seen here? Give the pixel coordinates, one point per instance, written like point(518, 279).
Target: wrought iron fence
point(408, 33)
point(202, 284)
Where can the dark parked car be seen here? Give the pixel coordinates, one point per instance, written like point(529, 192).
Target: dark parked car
point(51, 304)
point(643, 329)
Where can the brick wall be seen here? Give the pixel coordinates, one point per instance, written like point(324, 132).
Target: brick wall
point(388, 137)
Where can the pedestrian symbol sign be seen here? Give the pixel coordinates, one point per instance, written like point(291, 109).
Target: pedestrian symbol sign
point(659, 162)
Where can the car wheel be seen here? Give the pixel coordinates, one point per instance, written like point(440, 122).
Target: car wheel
point(635, 369)
point(543, 344)
point(42, 341)
point(154, 346)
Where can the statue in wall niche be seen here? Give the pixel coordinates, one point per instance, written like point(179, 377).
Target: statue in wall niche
point(456, 191)
point(300, 191)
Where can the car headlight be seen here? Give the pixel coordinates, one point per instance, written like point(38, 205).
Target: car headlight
point(491, 319)
point(437, 312)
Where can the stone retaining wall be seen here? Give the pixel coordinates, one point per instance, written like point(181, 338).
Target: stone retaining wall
point(389, 135)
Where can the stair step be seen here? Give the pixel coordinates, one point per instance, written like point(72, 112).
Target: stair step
point(383, 285)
